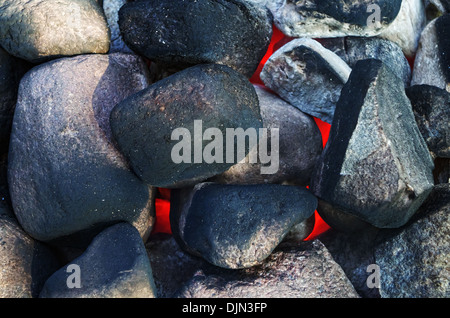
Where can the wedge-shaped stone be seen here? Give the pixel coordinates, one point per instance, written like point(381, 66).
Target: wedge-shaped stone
point(376, 167)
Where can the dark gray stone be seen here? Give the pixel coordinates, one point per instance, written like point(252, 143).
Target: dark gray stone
point(308, 76)
point(172, 267)
point(304, 270)
point(414, 260)
point(354, 252)
point(432, 64)
point(115, 265)
point(376, 167)
point(354, 49)
point(441, 171)
point(323, 18)
point(431, 107)
point(188, 32)
point(143, 124)
point(300, 145)
point(64, 173)
point(28, 28)
point(11, 71)
point(25, 263)
point(237, 226)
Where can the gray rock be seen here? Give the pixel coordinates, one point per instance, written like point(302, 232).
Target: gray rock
point(189, 32)
point(300, 145)
point(25, 263)
point(354, 252)
point(305, 270)
point(28, 28)
point(115, 265)
point(64, 173)
point(431, 106)
point(407, 26)
point(376, 167)
point(237, 226)
point(323, 19)
point(145, 124)
point(308, 76)
point(432, 64)
point(172, 267)
point(414, 261)
point(354, 49)
point(11, 71)
point(111, 9)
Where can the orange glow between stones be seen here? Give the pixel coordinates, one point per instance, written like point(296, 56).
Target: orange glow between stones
point(162, 201)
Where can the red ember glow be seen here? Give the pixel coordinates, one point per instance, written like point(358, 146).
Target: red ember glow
point(162, 201)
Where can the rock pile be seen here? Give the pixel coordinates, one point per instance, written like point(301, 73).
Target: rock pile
point(129, 96)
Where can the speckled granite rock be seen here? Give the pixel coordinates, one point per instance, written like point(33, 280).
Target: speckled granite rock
point(291, 271)
point(28, 28)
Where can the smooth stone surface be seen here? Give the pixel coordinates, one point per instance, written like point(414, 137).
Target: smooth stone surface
point(189, 32)
point(143, 125)
point(323, 18)
point(115, 265)
point(414, 260)
point(407, 26)
point(432, 64)
point(354, 49)
point(64, 173)
point(28, 28)
point(304, 270)
point(308, 76)
point(300, 145)
point(25, 263)
point(237, 226)
point(376, 166)
point(431, 106)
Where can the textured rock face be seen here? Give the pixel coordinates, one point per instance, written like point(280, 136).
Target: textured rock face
point(308, 76)
point(376, 166)
point(322, 18)
point(64, 173)
point(144, 124)
point(25, 263)
point(432, 112)
point(28, 28)
point(171, 266)
point(407, 26)
point(354, 49)
point(184, 33)
point(300, 145)
point(432, 64)
point(414, 261)
point(292, 271)
point(115, 265)
point(238, 226)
